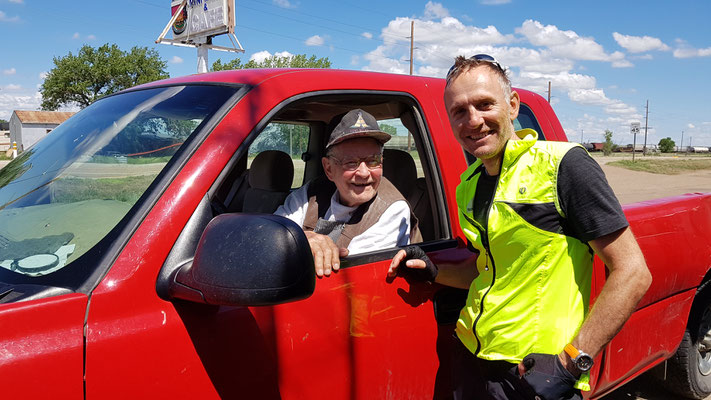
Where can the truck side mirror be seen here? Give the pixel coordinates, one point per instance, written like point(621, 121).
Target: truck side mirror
point(247, 260)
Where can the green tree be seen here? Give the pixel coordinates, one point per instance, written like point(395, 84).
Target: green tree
point(608, 145)
point(275, 61)
point(666, 145)
point(388, 129)
point(95, 72)
point(2, 121)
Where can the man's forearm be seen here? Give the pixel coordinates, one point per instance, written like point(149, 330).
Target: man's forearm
point(626, 284)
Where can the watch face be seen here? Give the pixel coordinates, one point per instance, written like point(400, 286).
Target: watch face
point(584, 362)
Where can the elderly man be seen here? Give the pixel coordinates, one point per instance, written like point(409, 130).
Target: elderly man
point(534, 211)
point(355, 209)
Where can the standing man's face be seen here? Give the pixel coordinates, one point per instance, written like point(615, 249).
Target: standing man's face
point(358, 186)
point(480, 114)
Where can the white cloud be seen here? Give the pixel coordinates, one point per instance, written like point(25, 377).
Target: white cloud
point(284, 3)
point(690, 126)
point(435, 11)
point(686, 51)
point(12, 86)
point(17, 1)
point(5, 18)
point(355, 60)
point(21, 101)
point(43, 75)
point(639, 44)
point(367, 35)
point(176, 60)
point(494, 2)
point(9, 71)
point(75, 35)
point(534, 56)
point(566, 44)
point(283, 54)
point(260, 56)
point(314, 40)
point(91, 37)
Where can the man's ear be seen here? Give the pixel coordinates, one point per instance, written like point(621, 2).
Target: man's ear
point(327, 168)
point(515, 103)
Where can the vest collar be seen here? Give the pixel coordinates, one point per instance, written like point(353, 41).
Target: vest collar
point(513, 149)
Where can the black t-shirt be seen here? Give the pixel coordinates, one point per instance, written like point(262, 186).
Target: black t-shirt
point(587, 200)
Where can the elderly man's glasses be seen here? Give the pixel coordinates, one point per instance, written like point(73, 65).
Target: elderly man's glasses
point(352, 164)
point(478, 57)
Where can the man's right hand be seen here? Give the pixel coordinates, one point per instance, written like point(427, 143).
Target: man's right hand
point(326, 254)
point(413, 261)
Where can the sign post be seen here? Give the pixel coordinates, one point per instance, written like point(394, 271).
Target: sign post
point(195, 22)
point(634, 129)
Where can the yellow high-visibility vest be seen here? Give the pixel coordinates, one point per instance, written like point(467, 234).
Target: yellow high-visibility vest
point(533, 288)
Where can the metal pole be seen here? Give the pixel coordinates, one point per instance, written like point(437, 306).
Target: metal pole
point(681, 144)
point(646, 120)
point(201, 58)
point(549, 92)
point(412, 42)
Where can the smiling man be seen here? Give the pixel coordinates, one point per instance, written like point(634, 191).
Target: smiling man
point(354, 209)
point(535, 212)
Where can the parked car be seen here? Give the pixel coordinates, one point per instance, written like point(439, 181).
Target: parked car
point(167, 276)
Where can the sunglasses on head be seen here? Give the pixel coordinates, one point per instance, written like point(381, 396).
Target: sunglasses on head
point(478, 57)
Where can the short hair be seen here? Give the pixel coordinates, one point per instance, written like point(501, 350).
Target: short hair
point(463, 64)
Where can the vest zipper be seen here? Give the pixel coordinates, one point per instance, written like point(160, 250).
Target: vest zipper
point(485, 241)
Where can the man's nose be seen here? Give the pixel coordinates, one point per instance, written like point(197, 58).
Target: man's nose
point(474, 117)
point(362, 170)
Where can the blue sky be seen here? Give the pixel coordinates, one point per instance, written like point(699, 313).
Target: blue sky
point(605, 59)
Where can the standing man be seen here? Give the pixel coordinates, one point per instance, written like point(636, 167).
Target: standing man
point(534, 212)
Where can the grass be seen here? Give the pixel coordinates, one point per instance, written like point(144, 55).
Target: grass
point(130, 160)
point(127, 189)
point(664, 166)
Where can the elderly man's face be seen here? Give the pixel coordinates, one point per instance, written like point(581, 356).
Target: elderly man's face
point(360, 185)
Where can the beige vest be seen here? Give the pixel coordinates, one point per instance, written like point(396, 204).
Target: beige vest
point(366, 215)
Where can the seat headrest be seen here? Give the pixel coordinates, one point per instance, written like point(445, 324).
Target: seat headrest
point(271, 170)
point(400, 169)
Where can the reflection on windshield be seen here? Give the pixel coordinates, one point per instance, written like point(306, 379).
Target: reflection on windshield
point(63, 195)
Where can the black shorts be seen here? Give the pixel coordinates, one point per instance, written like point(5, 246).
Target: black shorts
point(475, 378)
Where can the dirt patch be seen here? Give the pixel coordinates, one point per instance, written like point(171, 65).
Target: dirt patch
point(634, 186)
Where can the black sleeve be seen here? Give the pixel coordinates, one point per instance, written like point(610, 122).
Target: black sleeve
point(589, 204)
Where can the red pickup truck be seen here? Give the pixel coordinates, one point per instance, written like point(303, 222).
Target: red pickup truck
point(139, 256)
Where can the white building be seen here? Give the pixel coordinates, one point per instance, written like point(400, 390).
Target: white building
point(28, 127)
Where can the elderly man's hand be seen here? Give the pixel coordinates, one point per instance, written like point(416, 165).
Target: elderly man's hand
point(326, 253)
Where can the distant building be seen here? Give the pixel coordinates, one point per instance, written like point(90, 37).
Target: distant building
point(4, 136)
point(28, 127)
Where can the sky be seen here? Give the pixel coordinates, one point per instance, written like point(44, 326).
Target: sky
point(606, 60)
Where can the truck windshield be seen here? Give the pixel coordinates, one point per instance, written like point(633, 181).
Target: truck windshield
point(64, 194)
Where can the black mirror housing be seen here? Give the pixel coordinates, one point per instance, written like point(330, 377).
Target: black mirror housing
point(248, 260)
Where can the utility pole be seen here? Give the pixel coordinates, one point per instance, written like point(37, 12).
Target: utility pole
point(646, 120)
point(412, 42)
point(549, 93)
point(681, 144)
point(412, 51)
point(582, 132)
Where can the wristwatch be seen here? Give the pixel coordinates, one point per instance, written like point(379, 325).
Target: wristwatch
point(582, 360)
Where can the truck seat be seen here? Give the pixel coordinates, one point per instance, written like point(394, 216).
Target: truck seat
point(270, 178)
point(400, 169)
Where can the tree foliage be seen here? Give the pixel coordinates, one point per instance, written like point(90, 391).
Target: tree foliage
point(607, 147)
point(275, 61)
point(666, 145)
point(95, 72)
point(388, 129)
